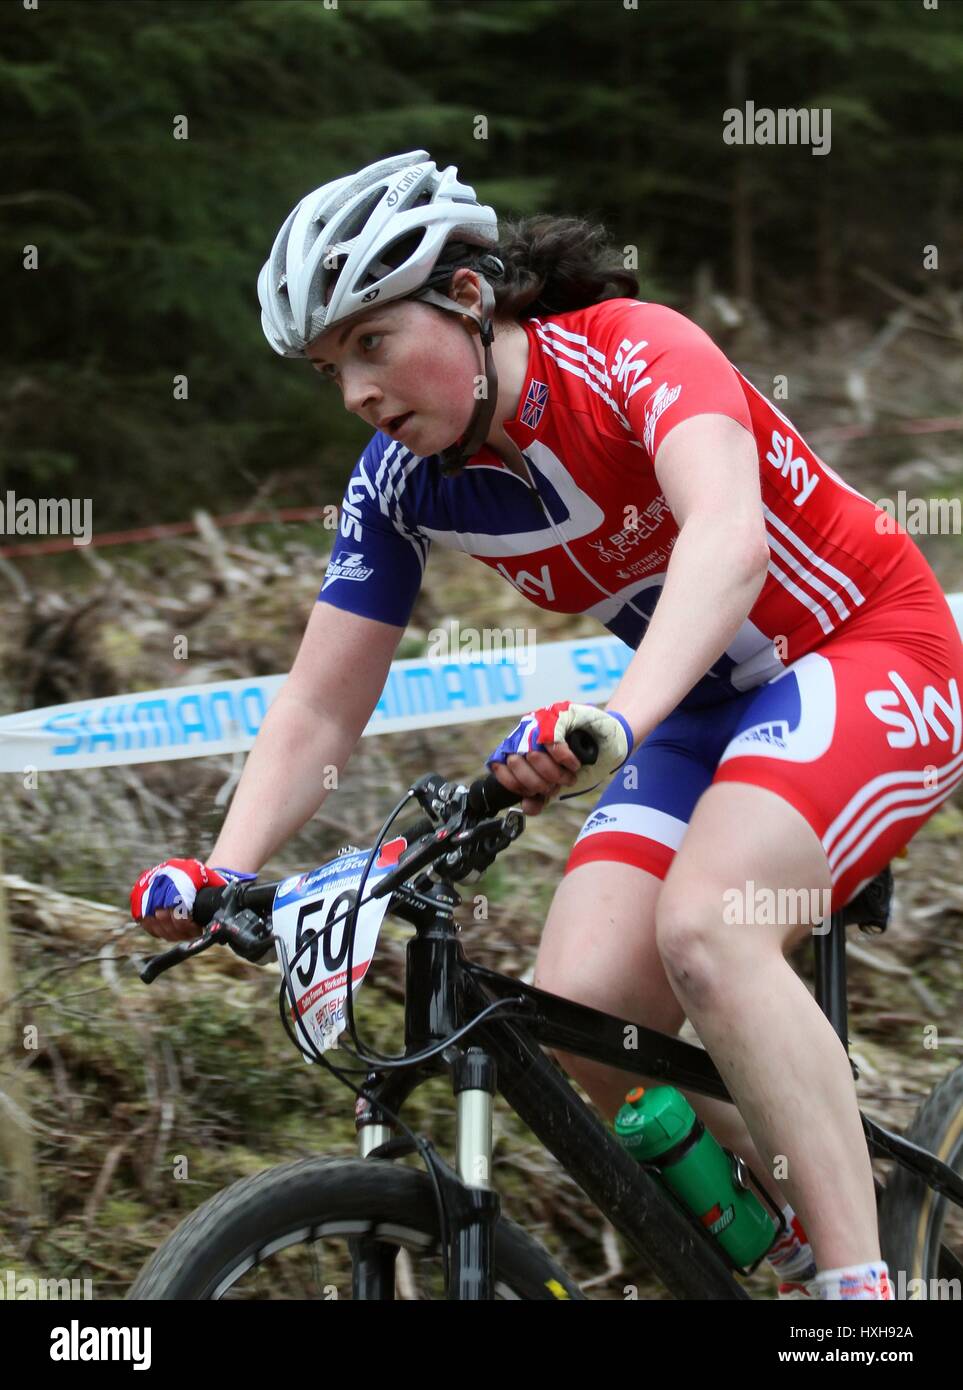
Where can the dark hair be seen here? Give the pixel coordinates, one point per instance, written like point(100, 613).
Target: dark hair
point(552, 265)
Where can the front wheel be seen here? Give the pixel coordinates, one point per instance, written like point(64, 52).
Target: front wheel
point(921, 1233)
point(331, 1228)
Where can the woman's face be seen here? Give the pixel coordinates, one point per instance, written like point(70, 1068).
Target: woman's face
point(405, 359)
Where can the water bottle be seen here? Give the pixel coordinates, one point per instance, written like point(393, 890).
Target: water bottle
point(659, 1127)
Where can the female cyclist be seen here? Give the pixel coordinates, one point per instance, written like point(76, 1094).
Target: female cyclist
point(791, 715)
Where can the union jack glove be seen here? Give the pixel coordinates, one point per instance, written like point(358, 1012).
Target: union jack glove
point(552, 723)
point(174, 884)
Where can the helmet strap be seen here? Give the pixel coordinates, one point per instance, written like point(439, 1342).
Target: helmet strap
point(454, 458)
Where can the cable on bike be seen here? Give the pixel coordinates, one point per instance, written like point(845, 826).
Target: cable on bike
point(385, 1061)
point(374, 1059)
point(421, 1146)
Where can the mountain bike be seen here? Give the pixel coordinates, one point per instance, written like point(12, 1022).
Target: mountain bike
point(374, 1228)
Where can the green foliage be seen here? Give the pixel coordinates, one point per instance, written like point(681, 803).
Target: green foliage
point(149, 246)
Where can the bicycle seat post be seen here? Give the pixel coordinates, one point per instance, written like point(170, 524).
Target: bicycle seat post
point(830, 972)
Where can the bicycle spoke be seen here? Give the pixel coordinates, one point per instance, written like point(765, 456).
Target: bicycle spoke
point(321, 1269)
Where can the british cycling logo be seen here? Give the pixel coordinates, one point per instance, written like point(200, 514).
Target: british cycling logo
point(915, 726)
point(791, 466)
point(638, 525)
point(347, 567)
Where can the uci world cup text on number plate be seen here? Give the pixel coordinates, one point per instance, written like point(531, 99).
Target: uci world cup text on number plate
point(303, 908)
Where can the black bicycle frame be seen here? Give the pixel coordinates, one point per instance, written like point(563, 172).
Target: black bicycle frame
point(444, 991)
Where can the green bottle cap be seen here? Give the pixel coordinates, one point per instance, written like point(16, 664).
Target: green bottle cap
point(651, 1122)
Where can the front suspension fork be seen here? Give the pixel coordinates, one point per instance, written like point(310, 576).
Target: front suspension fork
point(471, 1203)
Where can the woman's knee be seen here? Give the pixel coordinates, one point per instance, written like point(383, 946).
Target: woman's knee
point(742, 842)
point(701, 946)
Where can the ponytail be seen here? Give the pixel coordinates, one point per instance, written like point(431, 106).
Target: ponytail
point(552, 265)
point(555, 264)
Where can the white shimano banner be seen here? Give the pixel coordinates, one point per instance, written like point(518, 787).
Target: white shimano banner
point(224, 717)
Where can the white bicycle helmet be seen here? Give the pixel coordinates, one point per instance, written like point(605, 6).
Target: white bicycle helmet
point(377, 236)
point(374, 235)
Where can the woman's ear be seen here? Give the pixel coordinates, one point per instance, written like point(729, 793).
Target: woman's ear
point(464, 289)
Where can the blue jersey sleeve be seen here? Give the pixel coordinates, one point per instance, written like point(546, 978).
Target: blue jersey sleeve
point(379, 556)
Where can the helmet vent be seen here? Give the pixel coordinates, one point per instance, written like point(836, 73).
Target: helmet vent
point(361, 214)
point(393, 256)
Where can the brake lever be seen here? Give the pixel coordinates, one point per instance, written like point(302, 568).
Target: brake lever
point(242, 931)
point(454, 843)
point(484, 842)
point(156, 965)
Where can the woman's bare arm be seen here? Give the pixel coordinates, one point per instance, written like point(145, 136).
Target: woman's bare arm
point(313, 726)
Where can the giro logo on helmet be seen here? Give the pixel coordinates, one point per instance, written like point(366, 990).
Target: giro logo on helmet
point(405, 184)
point(372, 294)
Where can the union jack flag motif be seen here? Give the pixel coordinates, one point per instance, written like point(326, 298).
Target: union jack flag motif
point(535, 403)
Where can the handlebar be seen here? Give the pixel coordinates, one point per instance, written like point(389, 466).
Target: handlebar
point(256, 896)
point(251, 902)
point(487, 796)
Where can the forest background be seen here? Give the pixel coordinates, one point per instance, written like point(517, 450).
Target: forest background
point(151, 149)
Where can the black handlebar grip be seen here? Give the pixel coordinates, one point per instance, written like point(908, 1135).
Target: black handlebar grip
point(206, 903)
point(487, 796)
point(257, 896)
point(583, 745)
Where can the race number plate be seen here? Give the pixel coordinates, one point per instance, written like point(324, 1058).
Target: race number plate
point(303, 908)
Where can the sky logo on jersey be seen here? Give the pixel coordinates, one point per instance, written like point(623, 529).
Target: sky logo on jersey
point(922, 716)
point(535, 403)
point(791, 466)
point(522, 580)
point(628, 365)
point(347, 567)
point(359, 488)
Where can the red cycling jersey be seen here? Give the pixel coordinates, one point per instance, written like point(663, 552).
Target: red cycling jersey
point(604, 386)
point(841, 690)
